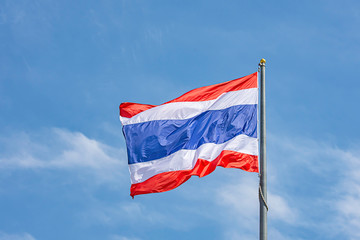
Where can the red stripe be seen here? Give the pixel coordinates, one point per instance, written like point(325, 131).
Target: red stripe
point(199, 94)
point(128, 109)
point(169, 180)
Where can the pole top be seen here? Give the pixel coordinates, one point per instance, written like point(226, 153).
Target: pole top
point(262, 61)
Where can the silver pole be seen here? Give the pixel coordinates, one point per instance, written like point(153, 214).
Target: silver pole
point(262, 187)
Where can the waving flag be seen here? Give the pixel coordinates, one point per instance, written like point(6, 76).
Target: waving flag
point(191, 135)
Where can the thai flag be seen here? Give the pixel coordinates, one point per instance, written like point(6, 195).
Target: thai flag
point(191, 135)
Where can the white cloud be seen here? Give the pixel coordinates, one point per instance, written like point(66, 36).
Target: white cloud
point(275, 234)
point(236, 202)
point(308, 153)
point(232, 234)
point(312, 186)
point(240, 200)
point(347, 193)
point(129, 212)
point(115, 213)
point(61, 149)
point(119, 237)
point(240, 203)
point(280, 209)
point(334, 195)
point(19, 236)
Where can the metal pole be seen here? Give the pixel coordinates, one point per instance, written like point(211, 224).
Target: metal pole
point(262, 187)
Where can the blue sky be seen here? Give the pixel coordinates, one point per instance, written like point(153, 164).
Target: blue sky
point(65, 67)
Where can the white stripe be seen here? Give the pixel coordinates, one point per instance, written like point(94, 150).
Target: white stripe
point(185, 110)
point(186, 159)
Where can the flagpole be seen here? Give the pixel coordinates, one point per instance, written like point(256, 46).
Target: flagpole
point(262, 186)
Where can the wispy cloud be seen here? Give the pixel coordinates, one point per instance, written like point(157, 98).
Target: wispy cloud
point(280, 209)
point(239, 201)
point(313, 186)
point(331, 177)
point(120, 212)
point(119, 237)
point(63, 150)
point(18, 236)
point(347, 193)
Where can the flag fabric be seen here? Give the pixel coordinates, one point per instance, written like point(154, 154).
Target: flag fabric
point(191, 135)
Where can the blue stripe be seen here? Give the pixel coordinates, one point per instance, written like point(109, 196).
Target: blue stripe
point(156, 139)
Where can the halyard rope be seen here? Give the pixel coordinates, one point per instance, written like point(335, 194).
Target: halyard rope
point(262, 197)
